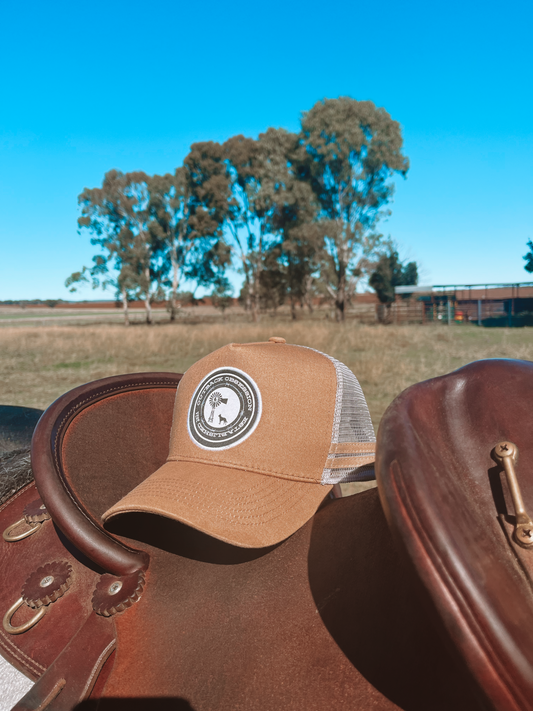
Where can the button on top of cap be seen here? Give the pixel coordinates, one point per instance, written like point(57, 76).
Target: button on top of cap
point(277, 339)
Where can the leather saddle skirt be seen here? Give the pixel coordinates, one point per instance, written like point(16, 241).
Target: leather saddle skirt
point(421, 600)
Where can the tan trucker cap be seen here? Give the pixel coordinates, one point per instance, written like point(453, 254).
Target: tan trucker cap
point(260, 433)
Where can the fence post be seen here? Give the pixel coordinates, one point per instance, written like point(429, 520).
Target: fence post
point(449, 312)
point(479, 312)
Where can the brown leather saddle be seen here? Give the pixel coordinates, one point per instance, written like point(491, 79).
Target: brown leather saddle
point(426, 606)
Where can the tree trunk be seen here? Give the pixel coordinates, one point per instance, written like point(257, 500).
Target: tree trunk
point(148, 307)
point(173, 295)
point(340, 301)
point(384, 313)
point(124, 299)
point(248, 286)
point(340, 297)
point(339, 311)
point(308, 298)
point(253, 293)
point(147, 304)
point(293, 308)
point(256, 277)
point(173, 307)
point(253, 306)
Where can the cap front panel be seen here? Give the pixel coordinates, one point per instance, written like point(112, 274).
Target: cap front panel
point(242, 508)
point(288, 434)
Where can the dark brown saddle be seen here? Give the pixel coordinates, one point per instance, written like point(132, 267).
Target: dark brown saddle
point(426, 607)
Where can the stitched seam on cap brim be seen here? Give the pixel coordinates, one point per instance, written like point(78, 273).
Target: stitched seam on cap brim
point(241, 467)
point(226, 510)
point(245, 520)
point(272, 490)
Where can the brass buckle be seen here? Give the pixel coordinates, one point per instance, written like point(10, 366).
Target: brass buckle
point(27, 625)
point(506, 453)
point(34, 527)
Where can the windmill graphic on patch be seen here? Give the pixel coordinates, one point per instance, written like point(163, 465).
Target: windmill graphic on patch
point(216, 399)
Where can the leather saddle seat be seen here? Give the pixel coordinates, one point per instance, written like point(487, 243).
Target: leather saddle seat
point(450, 508)
point(357, 610)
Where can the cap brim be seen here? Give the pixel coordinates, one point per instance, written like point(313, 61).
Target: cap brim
point(239, 507)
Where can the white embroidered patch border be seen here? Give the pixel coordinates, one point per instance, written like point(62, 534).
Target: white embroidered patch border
point(224, 410)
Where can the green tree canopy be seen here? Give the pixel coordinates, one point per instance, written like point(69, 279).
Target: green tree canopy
point(349, 151)
point(191, 237)
point(116, 217)
point(529, 258)
point(248, 185)
point(297, 214)
point(390, 272)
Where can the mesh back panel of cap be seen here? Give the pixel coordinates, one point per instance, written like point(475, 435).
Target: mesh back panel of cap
point(352, 423)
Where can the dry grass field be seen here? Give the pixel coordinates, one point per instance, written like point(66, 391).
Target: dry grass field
point(37, 364)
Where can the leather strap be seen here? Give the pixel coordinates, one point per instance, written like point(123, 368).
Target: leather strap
point(68, 514)
point(70, 679)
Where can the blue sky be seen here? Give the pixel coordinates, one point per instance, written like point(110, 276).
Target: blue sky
point(90, 87)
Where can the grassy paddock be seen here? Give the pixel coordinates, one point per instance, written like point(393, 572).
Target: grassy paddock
point(38, 364)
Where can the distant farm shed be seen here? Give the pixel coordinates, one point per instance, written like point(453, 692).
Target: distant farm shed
point(484, 304)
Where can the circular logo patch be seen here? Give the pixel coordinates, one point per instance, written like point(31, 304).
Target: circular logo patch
point(225, 409)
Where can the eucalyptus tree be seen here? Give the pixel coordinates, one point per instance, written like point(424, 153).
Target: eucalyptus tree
point(349, 150)
point(294, 219)
point(169, 210)
point(146, 247)
point(291, 218)
point(105, 214)
point(247, 213)
point(222, 295)
point(190, 233)
point(117, 216)
point(389, 272)
point(302, 259)
point(246, 184)
point(113, 270)
point(529, 257)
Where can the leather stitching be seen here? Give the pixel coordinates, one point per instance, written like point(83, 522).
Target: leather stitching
point(12, 650)
point(59, 468)
point(19, 493)
point(5, 641)
point(97, 668)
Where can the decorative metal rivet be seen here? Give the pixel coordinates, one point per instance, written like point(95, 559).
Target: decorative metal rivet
point(115, 587)
point(45, 582)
